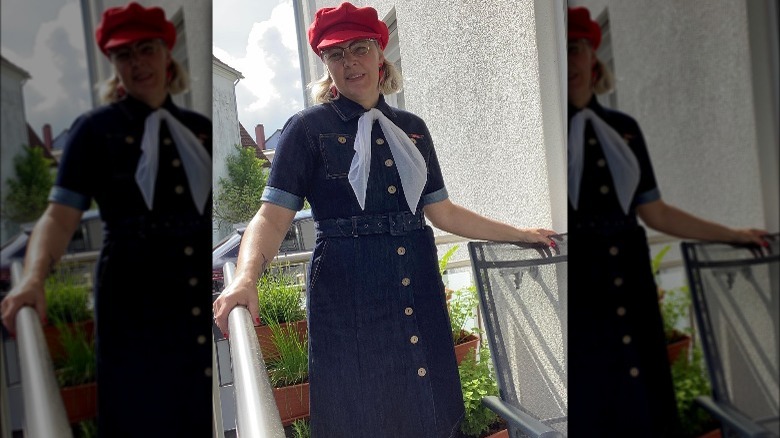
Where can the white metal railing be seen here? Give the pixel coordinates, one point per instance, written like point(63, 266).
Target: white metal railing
point(257, 415)
point(44, 410)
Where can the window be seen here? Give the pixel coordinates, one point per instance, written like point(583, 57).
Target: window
point(604, 53)
point(393, 55)
point(179, 53)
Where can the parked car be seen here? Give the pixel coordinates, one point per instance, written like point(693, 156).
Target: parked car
point(87, 241)
point(299, 239)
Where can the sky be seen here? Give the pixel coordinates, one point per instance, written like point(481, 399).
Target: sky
point(257, 38)
point(46, 38)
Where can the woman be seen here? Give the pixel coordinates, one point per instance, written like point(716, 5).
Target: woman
point(619, 376)
point(381, 359)
point(147, 165)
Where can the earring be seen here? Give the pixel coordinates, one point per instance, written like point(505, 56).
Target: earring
point(120, 91)
point(334, 92)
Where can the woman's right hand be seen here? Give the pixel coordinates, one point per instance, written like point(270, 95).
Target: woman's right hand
point(240, 292)
point(29, 292)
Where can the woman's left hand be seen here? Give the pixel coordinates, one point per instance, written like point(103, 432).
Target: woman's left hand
point(537, 235)
point(750, 235)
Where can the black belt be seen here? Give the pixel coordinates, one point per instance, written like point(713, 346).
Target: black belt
point(396, 224)
point(607, 225)
point(160, 225)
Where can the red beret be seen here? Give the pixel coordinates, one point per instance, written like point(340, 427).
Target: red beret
point(126, 24)
point(581, 26)
point(333, 26)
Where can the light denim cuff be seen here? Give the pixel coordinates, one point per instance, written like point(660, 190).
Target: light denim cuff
point(434, 197)
point(648, 196)
point(70, 198)
point(282, 198)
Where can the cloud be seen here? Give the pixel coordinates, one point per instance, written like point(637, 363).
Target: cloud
point(59, 88)
point(271, 91)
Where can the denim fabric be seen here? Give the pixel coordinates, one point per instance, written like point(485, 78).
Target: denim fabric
point(381, 356)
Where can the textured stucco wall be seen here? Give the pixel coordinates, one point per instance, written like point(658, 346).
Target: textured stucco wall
point(14, 133)
point(683, 70)
point(472, 74)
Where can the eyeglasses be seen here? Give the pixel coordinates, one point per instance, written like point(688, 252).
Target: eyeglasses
point(143, 49)
point(358, 49)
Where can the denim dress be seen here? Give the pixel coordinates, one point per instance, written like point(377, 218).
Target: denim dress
point(153, 282)
point(381, 355)
point(620, 383)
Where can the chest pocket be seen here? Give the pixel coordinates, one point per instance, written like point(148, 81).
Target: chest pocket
point(337, 151)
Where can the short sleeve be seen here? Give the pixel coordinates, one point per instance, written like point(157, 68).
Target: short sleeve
point(76, 173)
point(292, 167)
point(647, 189)
point(434, 190)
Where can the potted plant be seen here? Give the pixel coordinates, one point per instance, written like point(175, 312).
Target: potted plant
point(690, 381)
point(301, 429)
point(85, 429)
point(477, 381)
point(288, 372)
point(461, 308)
point(280, 302)
point(675, 304)
point(460, 305)
point(68, 305)
point(75, 371)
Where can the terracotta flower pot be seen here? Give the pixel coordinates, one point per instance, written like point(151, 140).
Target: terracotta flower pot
point(292, 402)
point(679, 347)
point(80, 402)
point(267, 346)
point(469, 344)
point(715, 433)
point(500, 434)
point(52, 335)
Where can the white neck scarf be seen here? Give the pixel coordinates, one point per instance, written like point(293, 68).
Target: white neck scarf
point(623, 165)
point(409, 160)
point(194, 158)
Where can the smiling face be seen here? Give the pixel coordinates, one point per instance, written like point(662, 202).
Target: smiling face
point(142, 69)
point(356, 75)
point(581, 60)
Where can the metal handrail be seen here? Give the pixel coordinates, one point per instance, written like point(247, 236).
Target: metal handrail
point(44, 410)
point(256, 412)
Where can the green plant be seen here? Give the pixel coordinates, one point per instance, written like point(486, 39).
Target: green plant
point(67, 298)
point(690, 381)
point(301, 429)
point(675, 303)
point(291, 366)
point(238, 198)
point(446, 259)
point(461, 308)
point(477, 380)
point(27, 194)
point(280, 298)
point(77, 365)
point(85, 429)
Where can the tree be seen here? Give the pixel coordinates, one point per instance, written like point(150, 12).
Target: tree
point(239, 194)
point(28, 193)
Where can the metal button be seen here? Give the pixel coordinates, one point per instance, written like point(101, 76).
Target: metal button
point(176, 162)
point(195, 311)
point(391, 190)
point(389, 162)
point(634, 371)
point(129, 139)
point(401, 250)
point(414, 339)
point(207, 372)
point(592, 141)
point(406, 281)
point(166, 141)
point(380, 141)
point(626, 339)
point(621, 311)
point(421, 372)
point(604, 190)
point(618, 281)
point(408, 311)
point(179, 190)
point(188, 250)
point(194, 281)
point(601, 162)
point(613, 250)
point(342, 139)
point(201, 339)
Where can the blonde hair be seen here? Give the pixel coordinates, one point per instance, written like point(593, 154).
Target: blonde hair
point(111, 90)
point(390, 82)
point(604, 79)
